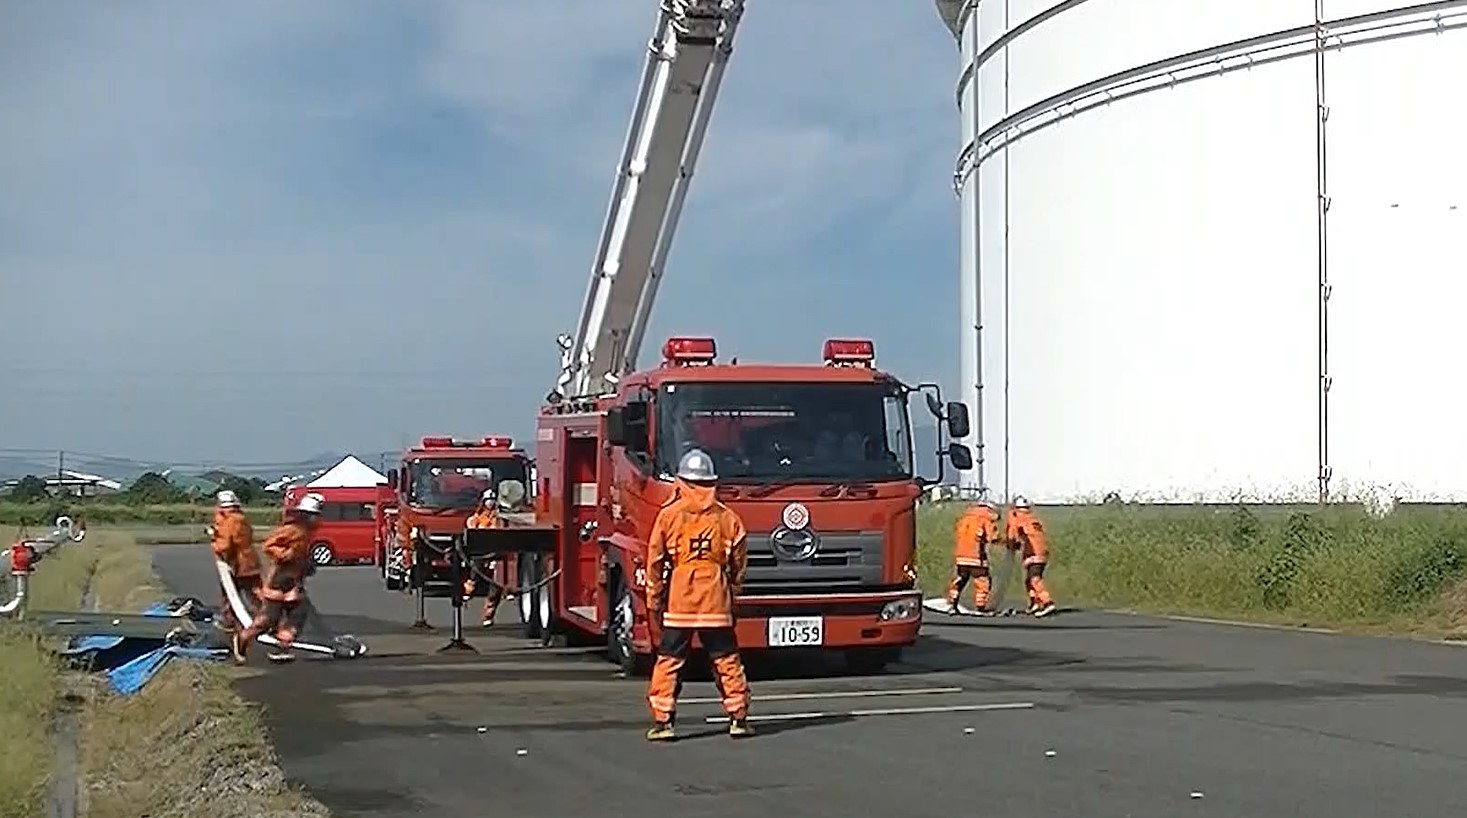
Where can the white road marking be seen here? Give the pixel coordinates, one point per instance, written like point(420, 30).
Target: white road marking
point(885, 711)
point(1204, 620)
point(836, 694)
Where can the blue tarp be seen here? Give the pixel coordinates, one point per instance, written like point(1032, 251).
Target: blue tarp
point(131, 662)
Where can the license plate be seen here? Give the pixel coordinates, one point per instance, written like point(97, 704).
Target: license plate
point(796, 631)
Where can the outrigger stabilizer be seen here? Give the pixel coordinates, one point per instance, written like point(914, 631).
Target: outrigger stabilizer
point(345, 646)
point(478, 544)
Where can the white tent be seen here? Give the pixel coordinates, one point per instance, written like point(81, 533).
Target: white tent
point(349, 473)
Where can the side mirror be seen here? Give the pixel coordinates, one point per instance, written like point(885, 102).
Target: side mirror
point(934, 403)
point(960, 455)
point(392, 479)
point(958, 422)
point(616, 426)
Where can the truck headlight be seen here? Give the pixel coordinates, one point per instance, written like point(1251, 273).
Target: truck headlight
point(900, 610)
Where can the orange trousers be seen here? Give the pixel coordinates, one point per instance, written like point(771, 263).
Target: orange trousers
point(982, 585)
point(1034, 583)
point(672, 654)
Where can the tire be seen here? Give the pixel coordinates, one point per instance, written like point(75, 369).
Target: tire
point(527, 571)
point(619, 632)
point(545, 609)
point(870, 661)
point(322, 555)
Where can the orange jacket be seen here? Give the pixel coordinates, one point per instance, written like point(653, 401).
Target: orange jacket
point(233, 543)
point(483, 518)
point(1023, 529)
point(696, 560)
point(288, 549)
point(975, 530)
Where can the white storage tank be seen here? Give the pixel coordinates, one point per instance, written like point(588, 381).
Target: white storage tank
point(1140, 247)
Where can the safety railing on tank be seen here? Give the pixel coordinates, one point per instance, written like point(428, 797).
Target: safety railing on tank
point(1264, 49)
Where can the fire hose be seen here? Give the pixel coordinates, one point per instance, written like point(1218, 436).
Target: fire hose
point(342, 647)
point(26, 553)
point(476, 573)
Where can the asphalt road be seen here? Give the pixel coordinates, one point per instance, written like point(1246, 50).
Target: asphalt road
point(1129, 716)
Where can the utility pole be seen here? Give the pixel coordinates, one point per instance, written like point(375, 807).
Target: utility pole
point(1322, 202)
point(61, 471)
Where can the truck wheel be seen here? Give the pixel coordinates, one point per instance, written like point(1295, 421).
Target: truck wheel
point(863, 661)
point(619, 632)
point(530, 599)
point(545, 609)
point(321, 554)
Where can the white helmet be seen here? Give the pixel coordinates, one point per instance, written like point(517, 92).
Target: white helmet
point(310, 504)
point(697, 466)
point(227, 499)
point(1020, 501)
point(488, 496)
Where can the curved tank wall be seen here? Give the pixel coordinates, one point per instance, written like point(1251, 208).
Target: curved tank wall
point(1140, 284)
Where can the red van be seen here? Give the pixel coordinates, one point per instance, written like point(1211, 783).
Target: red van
point(347, 534)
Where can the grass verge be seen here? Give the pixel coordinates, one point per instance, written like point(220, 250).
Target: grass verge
point(185, 745)
point(1405, 572)
point(30, 682)
point(120, 514)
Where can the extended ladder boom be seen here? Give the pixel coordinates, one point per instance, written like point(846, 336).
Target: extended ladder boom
point(685, 65)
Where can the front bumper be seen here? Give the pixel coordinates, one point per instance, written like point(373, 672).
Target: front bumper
point(885, 619)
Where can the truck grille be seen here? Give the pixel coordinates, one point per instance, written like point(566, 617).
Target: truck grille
point(843, 562)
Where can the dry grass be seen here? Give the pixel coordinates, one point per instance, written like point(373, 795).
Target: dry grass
point(185, 745)
point(1339, 566)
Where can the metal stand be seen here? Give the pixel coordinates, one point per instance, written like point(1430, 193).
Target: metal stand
point(415, 578)
point(456, 643)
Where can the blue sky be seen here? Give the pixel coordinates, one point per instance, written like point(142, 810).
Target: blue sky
point(261, 230)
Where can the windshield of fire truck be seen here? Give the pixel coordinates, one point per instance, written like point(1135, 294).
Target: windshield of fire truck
point(459, 483)
point(788, 431)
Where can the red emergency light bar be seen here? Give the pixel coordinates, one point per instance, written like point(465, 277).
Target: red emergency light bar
point(849, 351)
point(490, 442)
point(689, 350)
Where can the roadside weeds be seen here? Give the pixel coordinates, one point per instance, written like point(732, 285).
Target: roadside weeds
point(183, 746)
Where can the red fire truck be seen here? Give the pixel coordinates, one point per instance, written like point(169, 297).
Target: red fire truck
point(816, 457)
point(433, 490)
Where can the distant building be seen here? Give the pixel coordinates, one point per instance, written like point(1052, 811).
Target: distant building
point(79, 484)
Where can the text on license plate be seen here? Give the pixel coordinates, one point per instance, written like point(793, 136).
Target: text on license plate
point(796, 631)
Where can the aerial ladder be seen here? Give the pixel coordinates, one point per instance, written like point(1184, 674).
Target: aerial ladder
point(686, 61)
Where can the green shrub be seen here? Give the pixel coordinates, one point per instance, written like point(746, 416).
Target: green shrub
point(1300, 563)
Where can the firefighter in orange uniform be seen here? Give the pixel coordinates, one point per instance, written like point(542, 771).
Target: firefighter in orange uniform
point(696, 561)
point(1023, 530)
point(976, 529)
point(486, 516)
point(284, 590)
point(232, 541)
